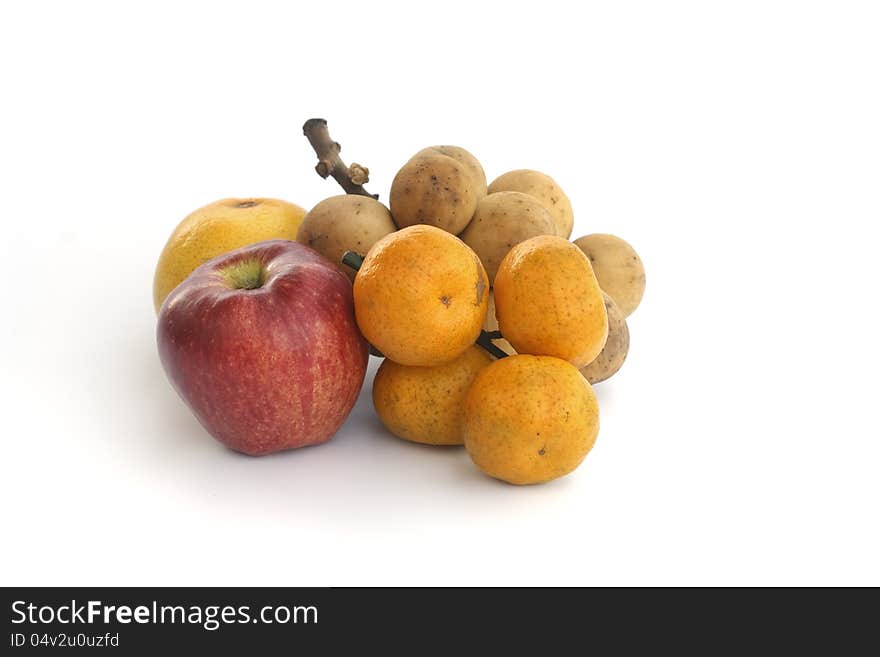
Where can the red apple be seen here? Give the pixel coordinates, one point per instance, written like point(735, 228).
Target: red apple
point(262, 345)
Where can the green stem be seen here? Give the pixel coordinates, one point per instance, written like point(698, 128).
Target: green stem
point(352, 259)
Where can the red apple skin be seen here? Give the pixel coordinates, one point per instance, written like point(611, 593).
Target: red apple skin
point(271, 368)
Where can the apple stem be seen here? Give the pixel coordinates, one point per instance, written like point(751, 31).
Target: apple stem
point(485, 341)
point(350, 178)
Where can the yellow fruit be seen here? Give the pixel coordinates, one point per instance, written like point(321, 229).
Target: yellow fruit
point(548, 302)
point(530, 419)
point(426, 404)
point(542, 187)
point(218, 228)
point(420, 296)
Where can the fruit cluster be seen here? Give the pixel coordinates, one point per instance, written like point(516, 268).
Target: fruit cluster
point(492, 324)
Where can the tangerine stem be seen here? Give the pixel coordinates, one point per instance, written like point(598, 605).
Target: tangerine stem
point(485, 341)
point(353, 259)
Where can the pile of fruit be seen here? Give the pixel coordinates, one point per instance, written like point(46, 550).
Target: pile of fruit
point(491, 323)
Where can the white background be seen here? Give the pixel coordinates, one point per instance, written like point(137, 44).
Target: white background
point(736, 145)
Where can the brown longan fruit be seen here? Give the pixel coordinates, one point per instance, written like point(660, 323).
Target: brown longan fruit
point(618, 269)
point(434, 189)
point(501, 221)
point(348, 222)
point(469, 161)
point(543, 188)
point(613, 354)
